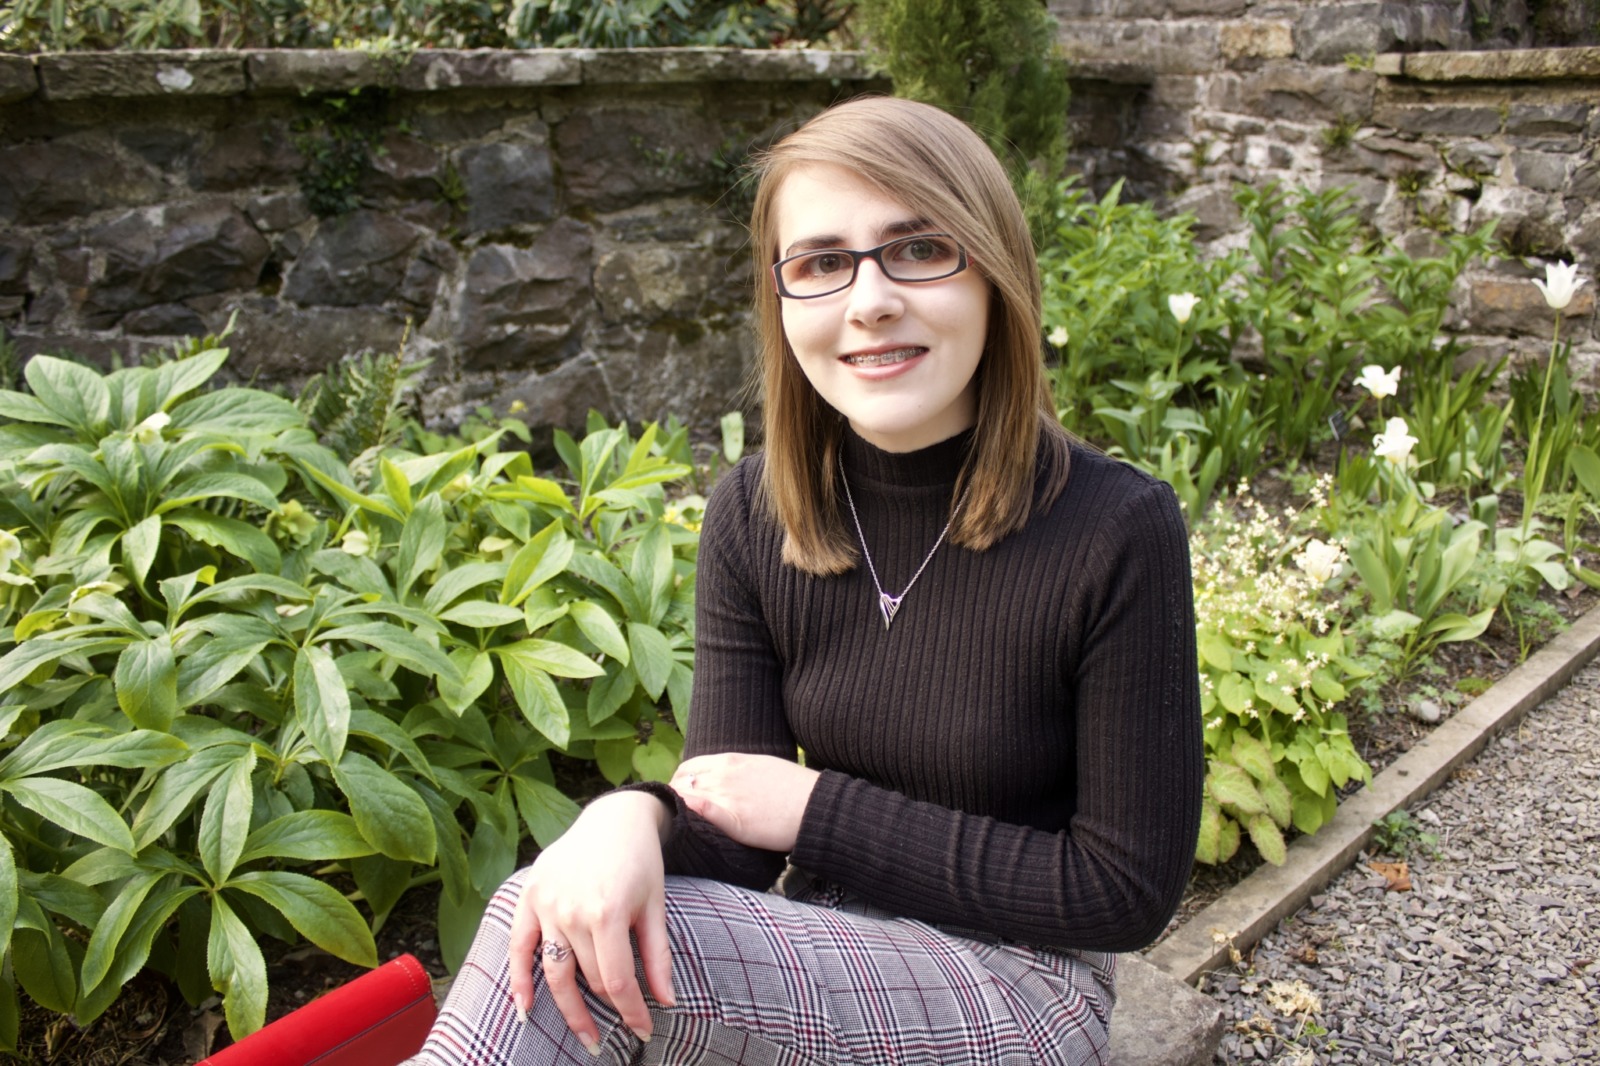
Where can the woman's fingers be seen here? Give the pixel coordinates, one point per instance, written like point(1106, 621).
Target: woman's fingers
point(524, 941)
point(655, 951)
point(560, 963)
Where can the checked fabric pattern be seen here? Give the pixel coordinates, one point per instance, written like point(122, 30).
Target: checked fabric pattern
point(771, 981)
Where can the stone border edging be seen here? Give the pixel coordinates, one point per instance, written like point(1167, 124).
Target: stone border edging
point(1512, 64)
point(1249, 910)
point(200, 72)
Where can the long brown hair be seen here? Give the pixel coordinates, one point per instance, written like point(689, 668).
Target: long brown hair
point(936, 166)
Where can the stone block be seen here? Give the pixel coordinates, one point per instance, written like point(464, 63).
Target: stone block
point(558, 399)
point(165, 320)
point(521, 307)
point(1326, 33)
point(16, 255)
point(694, 370)
point(165, 147)
point(248, 155)
point(614, 157)
point(278, 211)
point(655, 66)
point(1391, 157)
point(1585, 184)
point(1545, 171)
point(1584, 240)
point(1159, 1020)
point(279, 342)
point(87, 75)
point(653, 280)
point(1541, 120)
point(54, 180)
point(1156, 47)
point(1528, 221)
point(1294, 92)
point(404, 167)
point(18, 78)
point(1527, 64)
point(1256, 39)
point(491, 68)
point(305, 71)
point(358, 259)
point(1215, 213)
point(169, 253)
point(507, 183)
point(1456, 120)
point(1507, 305)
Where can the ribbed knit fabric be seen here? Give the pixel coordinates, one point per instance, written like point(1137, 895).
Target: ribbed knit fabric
point(1019, 754)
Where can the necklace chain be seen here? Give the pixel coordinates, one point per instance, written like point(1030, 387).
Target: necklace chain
point(887, 604)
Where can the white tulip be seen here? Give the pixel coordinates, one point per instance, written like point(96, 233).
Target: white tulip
point(1395, 442)
point(1182, 305)
point(1560, 284)
point(1320, 561)
point(1377, 381)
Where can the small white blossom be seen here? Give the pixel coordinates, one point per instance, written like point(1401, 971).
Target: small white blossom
point(1320, 561)
point(1058, 337)
point(1395, 442)
point(10, 549)
point(356, 542)
point(1560, 284)
point(149, 431)
point(1182, 305)
point(1379, 382)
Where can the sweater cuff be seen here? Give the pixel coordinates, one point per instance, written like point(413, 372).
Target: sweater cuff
point(676, 810)
point(814, 845)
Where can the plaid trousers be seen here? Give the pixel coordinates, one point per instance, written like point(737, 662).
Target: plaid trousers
point(818, 980)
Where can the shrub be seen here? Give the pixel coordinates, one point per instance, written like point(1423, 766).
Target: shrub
point(229, 658)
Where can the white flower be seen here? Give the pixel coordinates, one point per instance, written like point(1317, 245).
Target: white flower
point(1182, 305)
point(1560, 283)
point(1395, 442)
point(356, 542)
point(149, 431)
point(10, 549)
point(1320, 561)
point(289, 610)
point(1375, 380)
point(1058, 337)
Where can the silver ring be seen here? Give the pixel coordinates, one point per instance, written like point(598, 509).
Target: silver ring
point(692, 778)
point(555, 951)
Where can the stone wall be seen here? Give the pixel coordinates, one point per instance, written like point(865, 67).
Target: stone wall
point(1185, 98)
point(557, 227)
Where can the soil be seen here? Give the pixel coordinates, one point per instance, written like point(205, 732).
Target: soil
point(152, 1025)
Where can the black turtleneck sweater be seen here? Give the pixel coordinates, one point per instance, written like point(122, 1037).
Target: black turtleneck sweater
point(1020, 753)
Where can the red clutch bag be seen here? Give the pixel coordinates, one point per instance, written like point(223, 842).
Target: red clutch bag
point(379, 1019)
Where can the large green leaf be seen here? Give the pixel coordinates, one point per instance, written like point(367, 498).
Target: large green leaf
point(28, 656)
point(234, 411)
point(316, 910)
point(651, 572)
point(8, 893)
point(177, 379)
point(538, 697)
point(307, 836)
point(1231, 785)
point(177, 788)
point(238, 538)
point(388, 812)
point(546, 810)
point(238, 970)
point(402, 645)
point(539, 560)
point(215, 662)
point(45, 962)
point(459, 581)
point(1267, 838)
point(197, 487)
point(72, 807)
point(321, 701)
point(476, 673)
point(147, 683)
point(113, 923)
point(481, 614)
point(73, 392)
point(24, 408)
point(652, 657)
point(598, 571)
point(225, 821)
point(139, 546)
point(551, 656)
point(70, 742)
point(421, 542)
point(597, 624)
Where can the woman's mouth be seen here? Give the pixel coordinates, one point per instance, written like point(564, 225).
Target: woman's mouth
point(888, 358)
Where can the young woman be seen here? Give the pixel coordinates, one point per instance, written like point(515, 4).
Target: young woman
point(979, 633)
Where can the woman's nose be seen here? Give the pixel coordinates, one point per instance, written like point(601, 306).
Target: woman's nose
point(874, 297)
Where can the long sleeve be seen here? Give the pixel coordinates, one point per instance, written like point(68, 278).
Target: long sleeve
point(1111, 879)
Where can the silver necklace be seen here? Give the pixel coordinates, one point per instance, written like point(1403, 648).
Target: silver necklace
point(888, 604)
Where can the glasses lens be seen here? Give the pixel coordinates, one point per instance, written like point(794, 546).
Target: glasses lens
point(922, 258)
point(818, 273)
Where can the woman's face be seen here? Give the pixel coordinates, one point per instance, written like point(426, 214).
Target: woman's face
point(897, 359)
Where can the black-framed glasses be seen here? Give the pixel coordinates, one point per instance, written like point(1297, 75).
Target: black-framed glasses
point(921, 257)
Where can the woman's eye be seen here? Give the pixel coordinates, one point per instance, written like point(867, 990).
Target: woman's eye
point(923, 250)
point(826, 263)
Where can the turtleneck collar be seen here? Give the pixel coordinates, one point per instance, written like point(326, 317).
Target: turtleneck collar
point(937, 464)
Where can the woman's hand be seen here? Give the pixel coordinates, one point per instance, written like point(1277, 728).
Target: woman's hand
point(757, 800)
point(586, 891)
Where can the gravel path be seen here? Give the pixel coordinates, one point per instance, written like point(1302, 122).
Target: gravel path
point(1493, 956)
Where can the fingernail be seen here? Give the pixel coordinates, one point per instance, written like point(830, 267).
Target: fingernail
point(644, 1038)
point(593, 1048)
point(522, 1012)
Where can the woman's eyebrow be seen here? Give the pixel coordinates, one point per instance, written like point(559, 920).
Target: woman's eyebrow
point(833, 240)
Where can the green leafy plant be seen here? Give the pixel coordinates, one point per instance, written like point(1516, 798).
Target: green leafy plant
point(233, 663)
point(1273, 665)
point(1398, 834)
